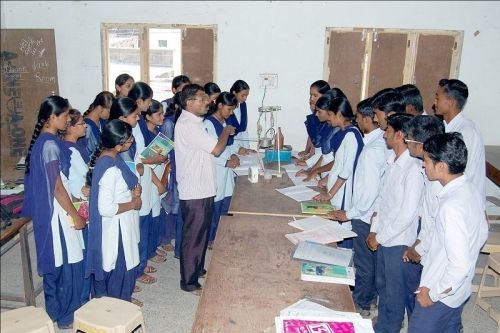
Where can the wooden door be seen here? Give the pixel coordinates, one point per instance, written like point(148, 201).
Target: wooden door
point(198, 54)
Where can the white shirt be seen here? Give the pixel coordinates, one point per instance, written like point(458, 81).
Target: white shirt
point(368, 178)
point(224, 175)
point(476, 163)
point(77, 173)
point(399, 201)
point(113, 190)
point(195, 164)
point(428, 213)
point(241, 139)
point(311, 161)
point(461, 230)
point(145, 180)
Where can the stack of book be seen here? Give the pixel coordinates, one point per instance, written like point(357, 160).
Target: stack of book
point(319, 230)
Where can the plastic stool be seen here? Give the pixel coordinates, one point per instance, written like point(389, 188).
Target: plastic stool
point(108, 315)
point(26, 320)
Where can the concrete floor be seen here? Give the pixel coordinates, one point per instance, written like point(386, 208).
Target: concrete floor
point(168, 309)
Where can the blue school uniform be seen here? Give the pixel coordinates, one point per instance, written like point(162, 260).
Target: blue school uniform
point(113, 253)
point(239, 119)
point(58, 245)
point(92, 135)
point(224, 175)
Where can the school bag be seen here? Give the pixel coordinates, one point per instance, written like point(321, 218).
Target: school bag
point(11, 207)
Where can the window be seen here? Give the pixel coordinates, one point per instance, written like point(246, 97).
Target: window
point(362, 61)
point(155, 54)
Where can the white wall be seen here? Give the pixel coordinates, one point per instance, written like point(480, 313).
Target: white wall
point(281, 37)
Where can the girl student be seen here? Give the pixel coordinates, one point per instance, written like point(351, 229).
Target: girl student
point(123, 84)
point(114, 200)
point(171, 202)
point(239, 118)
point(56, 223)
point(214, 124)
point(178, 83)
point(313, 125)
point(79, 159)
point(213, 91)
point(154, 117)
point(142, 94)
point(350, 143)
point(95, 117)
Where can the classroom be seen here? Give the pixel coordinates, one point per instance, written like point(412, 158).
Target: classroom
point(267, 59)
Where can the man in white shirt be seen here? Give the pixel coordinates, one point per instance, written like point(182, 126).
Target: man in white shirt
point(386, 102)
point(367, 181)
point(417, 132)
point(460, 232)
point(194, 150)
point(449, 102)
point(394, 228)
point(412, 99)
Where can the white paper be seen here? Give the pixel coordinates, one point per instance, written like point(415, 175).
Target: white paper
point(291, 169)
point(298, 193)
point(333, 232)
point(300, 181)
point(309, 223)
point(310, 251)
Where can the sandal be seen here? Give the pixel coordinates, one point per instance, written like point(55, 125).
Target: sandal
point(146, 279)
point(158, 259)
point(137, 289)
point(150, 269)
point(137, 302)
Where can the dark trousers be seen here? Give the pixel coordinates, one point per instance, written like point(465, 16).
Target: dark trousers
point(167, 227)
point(437, 318)
point(154, 233)
point(364, 261)
point(119, 282)
point(221, 208)
point(144, 226)
point(396, 282)
point(87, 281)
point(197, 216)
point(62, 288)
point(179, 223)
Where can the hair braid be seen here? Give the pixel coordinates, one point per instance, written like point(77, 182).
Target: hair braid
point(93, 160)
point(36, 134)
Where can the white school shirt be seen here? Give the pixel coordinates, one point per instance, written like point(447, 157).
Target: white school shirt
point(145, 180)
point(343, 168)
point(224, 175)
point(428, 213)
point(73, 238)
point(368, 179)
point(399, 200)
point(77, 173)
point(314, 158)
point(461, 230)
point(194, 161)
point(241, 139)
point(476, 163)
point(113, 190)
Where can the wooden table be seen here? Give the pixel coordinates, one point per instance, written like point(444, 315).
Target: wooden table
point(251, 277)
point(262, 198)
point(493, 163)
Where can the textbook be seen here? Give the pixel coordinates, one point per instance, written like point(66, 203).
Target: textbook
point(326, 273)
point(82, 207)
point(160, 145)
point(316, 208)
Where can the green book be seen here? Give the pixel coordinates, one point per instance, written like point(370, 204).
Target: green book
point(327, 273)
point(316, 208)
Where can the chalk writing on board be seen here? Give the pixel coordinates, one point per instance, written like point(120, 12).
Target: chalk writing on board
point(32, 46)
point(40, 65)
point(44, 79)
point(11, 76)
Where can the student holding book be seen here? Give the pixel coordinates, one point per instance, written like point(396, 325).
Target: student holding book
point(460, 232)
point(194, 151)
point(56, 223)
point(123, 84)
point(394, 228)
point(239, 118)
point(78, 158)
point(95, 117)
point(114, 200)
point(366, 187)
point(350, 143)
point(225, 162)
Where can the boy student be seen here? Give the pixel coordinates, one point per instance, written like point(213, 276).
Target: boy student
point(417, 132)
point(386, 102)
point(412, 99)
point(449, 102)
point(460, 232)
point(178, 83)
point(394, 228)
point(194, 148)
point(367, 182)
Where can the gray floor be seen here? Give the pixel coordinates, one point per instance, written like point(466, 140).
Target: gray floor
point(168, 309)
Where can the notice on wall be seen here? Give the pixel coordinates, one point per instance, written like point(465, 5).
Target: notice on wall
point(28, 76)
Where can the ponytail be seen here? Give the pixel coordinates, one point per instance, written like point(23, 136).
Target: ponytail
point(93, 160)
point(36, 134)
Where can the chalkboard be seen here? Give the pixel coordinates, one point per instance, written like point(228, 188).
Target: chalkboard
point(29, 74)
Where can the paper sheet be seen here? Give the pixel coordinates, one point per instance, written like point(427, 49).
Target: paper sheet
point(298, 193)
point(309, 223)
point(333, 232)
point(310, 251)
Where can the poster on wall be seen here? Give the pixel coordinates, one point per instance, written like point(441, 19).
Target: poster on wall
point(28, 75)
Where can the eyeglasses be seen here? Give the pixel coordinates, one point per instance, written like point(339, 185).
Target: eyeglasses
point(80, 124)
point(408, 141)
